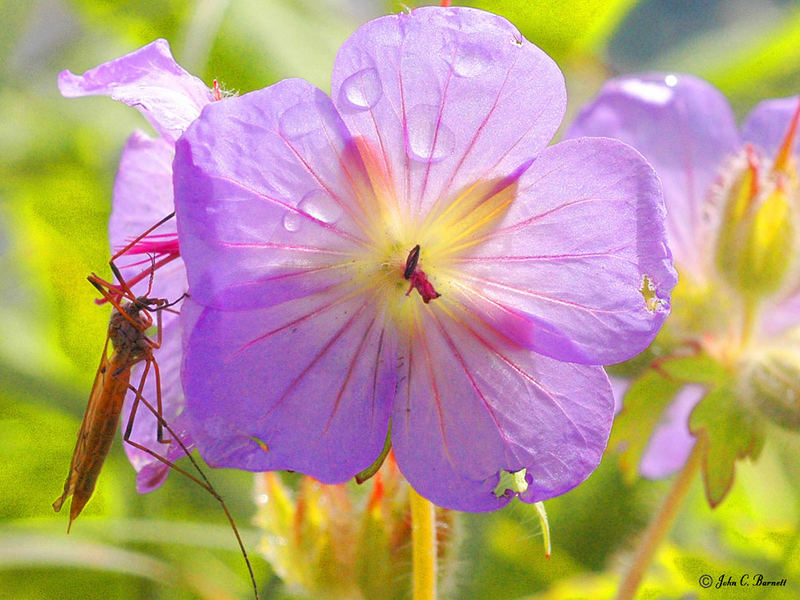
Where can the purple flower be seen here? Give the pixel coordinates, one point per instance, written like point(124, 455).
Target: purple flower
point(687, 131)
point(170, 98)
point(299, 217)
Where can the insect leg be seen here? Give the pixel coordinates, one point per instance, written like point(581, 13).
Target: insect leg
point(104, 288)
point(205, 484)
point(159, 407)
point(135, 405)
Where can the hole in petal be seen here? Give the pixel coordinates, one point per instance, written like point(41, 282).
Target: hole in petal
point(514, 481)
point(648, 292)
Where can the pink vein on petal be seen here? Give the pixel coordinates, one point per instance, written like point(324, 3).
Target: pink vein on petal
point(318, 356)
point(356, 357)
point(476, 137)
point(611, 253)
point(525, 375)
point(442, 102)
point(289, 208)
point(300, 273)
point(437, 401)
point(274, 246)
point(317, 311)
point(589, 309)
point(467, 372)
point(378, 355)
point(321, 183)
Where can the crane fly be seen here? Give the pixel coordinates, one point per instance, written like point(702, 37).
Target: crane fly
point(131, 318)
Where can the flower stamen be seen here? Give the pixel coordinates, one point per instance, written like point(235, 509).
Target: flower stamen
point(417, 277)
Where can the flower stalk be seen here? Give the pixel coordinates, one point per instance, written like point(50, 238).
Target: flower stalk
point(423, 540)
point(660, 526)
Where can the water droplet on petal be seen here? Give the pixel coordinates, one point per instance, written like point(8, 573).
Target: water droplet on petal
point(292, 221)
point(428, 138)
point(471, 61)
point(321, 206)
point(299, 120)
point(362, 90)
point(671, 80)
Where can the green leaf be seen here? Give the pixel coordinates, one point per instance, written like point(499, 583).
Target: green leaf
point(564, 28)
point(560, 28)
point(698, 368)
point(764, 69)
point(643, 405)
point(727, 432)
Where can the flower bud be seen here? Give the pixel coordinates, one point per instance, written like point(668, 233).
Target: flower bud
point(771, 384)
point(346, 541)
point(756, 239)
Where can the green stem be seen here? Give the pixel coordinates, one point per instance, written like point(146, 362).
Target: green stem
point(749, 320)
point(660, 526)
point(423, 541)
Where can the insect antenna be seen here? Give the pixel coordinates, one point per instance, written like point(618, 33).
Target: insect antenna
point(113, 261)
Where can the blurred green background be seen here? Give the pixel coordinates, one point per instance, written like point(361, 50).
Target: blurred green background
point(57, 162)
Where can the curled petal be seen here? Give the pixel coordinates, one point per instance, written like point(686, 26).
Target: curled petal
point(143, 197)
point(148, 79)
point(579, 269)
point(470, 404)
point(768, 122)
point(270, 195)
point(671, 442)
point(447, 97)
point(142, 190)
point(305, 385)
point(685, 128)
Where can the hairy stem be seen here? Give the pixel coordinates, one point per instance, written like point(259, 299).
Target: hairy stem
point(660, 525)
point(423, 541)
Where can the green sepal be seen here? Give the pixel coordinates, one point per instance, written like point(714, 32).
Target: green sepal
point(726, 431)
point(545, 524)
point(373, 468)
point(643, 405)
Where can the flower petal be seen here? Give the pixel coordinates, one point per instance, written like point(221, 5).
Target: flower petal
point(671, 442)
point(470, 404)
point(269, 194)
point(685, 128)
point(305, 385)
point(148, 79)
point(768, 122)
point(447, 97)
point(579, 269)
point(142, 190)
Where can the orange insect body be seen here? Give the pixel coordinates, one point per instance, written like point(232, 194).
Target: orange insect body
point(130, 345)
